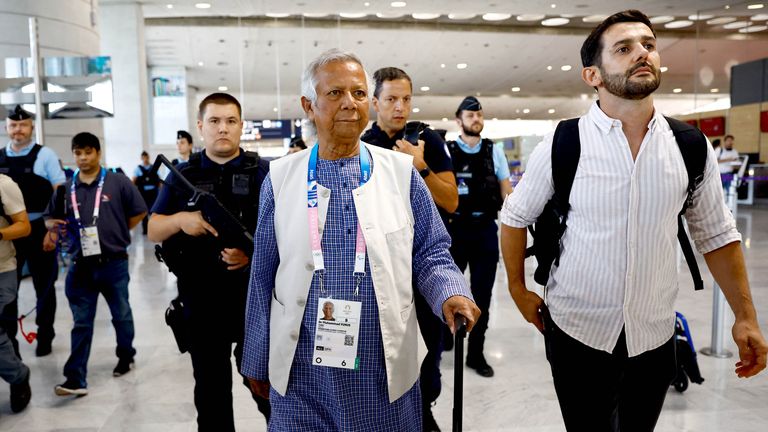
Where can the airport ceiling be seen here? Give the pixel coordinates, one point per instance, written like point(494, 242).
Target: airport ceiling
point(519, 66)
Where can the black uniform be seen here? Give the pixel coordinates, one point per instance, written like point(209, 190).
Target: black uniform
point(214, 298)
point(474, 234)
point(438, 160)
point(42, 265)
point(148, 182)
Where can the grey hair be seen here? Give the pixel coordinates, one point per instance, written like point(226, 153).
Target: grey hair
point(333, 55)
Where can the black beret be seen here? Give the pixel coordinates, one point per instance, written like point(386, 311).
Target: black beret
point(19, 113)
point(184, 134)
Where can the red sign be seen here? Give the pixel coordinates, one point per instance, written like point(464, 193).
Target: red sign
point(764, 122)
point(693, 122)
point(713, 126)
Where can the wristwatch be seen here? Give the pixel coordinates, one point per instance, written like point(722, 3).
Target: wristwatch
point(425, 172)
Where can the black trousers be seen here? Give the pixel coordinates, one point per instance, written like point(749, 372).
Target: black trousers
point(216, 321)
point(475, 243)
point(212, 369)
point(432, 331)
point(600, 391)
point(44, 268)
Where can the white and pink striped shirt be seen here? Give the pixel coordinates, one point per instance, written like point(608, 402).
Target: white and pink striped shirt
point(618, 266)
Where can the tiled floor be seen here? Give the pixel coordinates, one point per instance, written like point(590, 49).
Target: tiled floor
point(157, 395)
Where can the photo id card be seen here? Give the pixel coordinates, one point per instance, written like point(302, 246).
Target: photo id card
point(89, 241)
point(336, 333)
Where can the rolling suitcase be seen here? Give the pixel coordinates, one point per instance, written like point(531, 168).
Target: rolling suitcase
point(458, 375)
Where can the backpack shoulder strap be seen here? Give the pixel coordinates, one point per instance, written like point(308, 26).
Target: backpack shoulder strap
point(566, 150)
point(693, 147)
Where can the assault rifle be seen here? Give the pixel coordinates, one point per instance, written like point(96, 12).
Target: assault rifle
point(232, 232)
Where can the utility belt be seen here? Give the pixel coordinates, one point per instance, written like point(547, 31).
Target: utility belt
point(99, 260)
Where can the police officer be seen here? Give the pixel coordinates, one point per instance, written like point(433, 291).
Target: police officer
point(148, 182)
point(37, 171)
point(184, 145)
point(392, 102)
point(212, 276)
point(482, 177)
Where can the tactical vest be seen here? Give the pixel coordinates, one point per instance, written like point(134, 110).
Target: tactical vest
point(237, 188)
point(37, 190)
point(478, 173)
point(148, 177)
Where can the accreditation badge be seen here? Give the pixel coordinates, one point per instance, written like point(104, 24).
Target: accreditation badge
point(89, 241)
point(336, 333)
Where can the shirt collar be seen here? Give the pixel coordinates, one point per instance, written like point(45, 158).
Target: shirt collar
point(26, 149)
point(79, 182)
point(208, 163)
point(605, 123)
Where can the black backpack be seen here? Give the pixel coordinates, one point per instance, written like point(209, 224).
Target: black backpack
point(550, 226)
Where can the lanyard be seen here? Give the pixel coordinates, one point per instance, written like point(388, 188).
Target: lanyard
point(314, 219)
point(96, 205)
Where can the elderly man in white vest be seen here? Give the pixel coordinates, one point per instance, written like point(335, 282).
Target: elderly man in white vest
point(351, 224)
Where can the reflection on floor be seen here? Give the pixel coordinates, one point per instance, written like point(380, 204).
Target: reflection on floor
point(157, 394)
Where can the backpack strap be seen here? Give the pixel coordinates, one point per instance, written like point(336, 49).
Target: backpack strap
point(693, 147)
point(566, 150)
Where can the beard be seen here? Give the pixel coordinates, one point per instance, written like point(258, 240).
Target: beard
point(469, 131)
point(620, 85)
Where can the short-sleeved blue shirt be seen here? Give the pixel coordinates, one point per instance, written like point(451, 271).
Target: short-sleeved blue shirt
point(499, 158)
point(46, 166)
point(120, 201)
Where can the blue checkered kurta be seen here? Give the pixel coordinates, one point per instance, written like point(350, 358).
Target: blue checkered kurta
point(332, 399)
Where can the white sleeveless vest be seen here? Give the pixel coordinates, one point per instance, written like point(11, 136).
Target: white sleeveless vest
point(384, 212)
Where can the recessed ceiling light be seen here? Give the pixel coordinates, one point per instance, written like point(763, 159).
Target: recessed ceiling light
point(753, 29)
point(526, 111)
point(461, 66)
point(677, 90)
point(496, 16)
point(759, 17)
point(755, 6)
point(274, 109)
point(583, 96)
point(389, 15)
point(721, 20)
point(425, 16)
point(445, 118)
point(442, 65)
point(551, 110)
point(223, 88)
point(315, 15)
point(700, 17)
point(736, 25)
point(424, 88)
point(594, 18)
point(662, 19)
point(461, 16)
point(352, 15)
point(554, 22)
point(416, 110)
point(678, 24)
point(366, 4)
point(398, 4)
point(515, 89)
point(663, 68)
point(553, 5)
point(714, 90)
point(203, 5)
point(277, 15)
point(565, 68)
point(169, 6)
point(530, 17)
point(549, 67)
point(200, 64)
point(495, 119)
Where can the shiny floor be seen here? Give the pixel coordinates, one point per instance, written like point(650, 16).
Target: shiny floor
point(157, 394)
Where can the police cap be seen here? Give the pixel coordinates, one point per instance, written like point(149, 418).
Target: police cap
point(184, 134)
point(19, 113)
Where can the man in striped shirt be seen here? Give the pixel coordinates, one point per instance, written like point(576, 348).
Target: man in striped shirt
point(608, 318)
